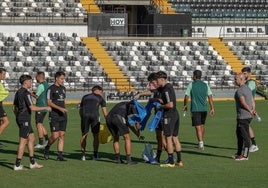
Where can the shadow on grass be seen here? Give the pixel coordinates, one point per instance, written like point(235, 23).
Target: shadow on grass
point(5, 164)
point(204, 154)
point(103, 156)
point(194, 145)
point(8, 142)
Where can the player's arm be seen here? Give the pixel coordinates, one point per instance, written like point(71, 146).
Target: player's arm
point(185, 101)
point(135, 129)
point(39, 91)
point(29, 103)
point(104, 111)
point(210, 100)
point(253, 104)
point(144, 93)
point(168, 105)
point(186, 96)
point(53, 105)
point(211, 104)
point(37, 108)
point(15, 109)
point(245, 105)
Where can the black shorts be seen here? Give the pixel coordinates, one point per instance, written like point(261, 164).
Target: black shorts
point(57, 124)
point(92, 121)
point(117, 125)
point(171, 125)
point(25, 129)
point(40, 116)
point(199, 118)
point(2, 111)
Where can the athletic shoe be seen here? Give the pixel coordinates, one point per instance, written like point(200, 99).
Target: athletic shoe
point(60, 158)
point(46, 154)
point(168, 165)
point(39, 146)
point(83, 158)
point(119, 161)
point(166, 161)
point(241, 158)
point(154, 161)
point(17, 168)
point(201, 146)
point(235, 156)
point(36, 166)
point(180, 164)
point(253, 148)
point(96, 158)
point(157, 160)
point(45, 144)
point(131, 162)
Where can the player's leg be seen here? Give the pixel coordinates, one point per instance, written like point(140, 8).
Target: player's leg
point(55, 133)
point(4, 123)
point(83, 140)
point(199, 128)
point(176, 142)
point(253, 146)
point(30, 145)
point(159, 144)
point(95, 129)
point(239, 139)
point(113, 128)
point(168, 132)
point(23, 133)
point(62, 132)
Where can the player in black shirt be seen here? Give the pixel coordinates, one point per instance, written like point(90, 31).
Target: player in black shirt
point(89, 113)
point(154, 90)
point(22, 107)
point(117, 122)
point(170, 119)
point(56, 95)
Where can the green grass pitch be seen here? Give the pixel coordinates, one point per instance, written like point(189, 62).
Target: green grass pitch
point(212, 167)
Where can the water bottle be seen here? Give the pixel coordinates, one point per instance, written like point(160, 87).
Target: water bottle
point(258, 118)
point(184, 113)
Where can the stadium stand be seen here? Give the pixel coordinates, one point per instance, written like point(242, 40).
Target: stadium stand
point(106, 60)
point(49, 52)
point(42, 11)
point(223, 9)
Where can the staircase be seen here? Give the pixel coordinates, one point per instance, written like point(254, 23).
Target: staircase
point(90, 6)
point(226, 54)
point(111, 69)
point(164, 6)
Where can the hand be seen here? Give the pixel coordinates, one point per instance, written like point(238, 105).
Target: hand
point(137, 96)
point(63, 110)
point(49, 108)
point(212, 112)
point(157, 108)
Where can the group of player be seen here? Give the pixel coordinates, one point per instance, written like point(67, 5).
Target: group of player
point(52, 99)
point(48, 98)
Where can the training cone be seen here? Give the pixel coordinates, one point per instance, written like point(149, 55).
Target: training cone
point(104, 135)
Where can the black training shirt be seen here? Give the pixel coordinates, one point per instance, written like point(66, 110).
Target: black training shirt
point(23, 101)
point(57, 94)
point(168, 95)
point(90, 104)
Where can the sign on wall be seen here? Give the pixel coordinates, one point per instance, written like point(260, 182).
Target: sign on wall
point(117, 22)
point(108, 24)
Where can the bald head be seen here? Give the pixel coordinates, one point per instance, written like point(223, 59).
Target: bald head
point(240, 79)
